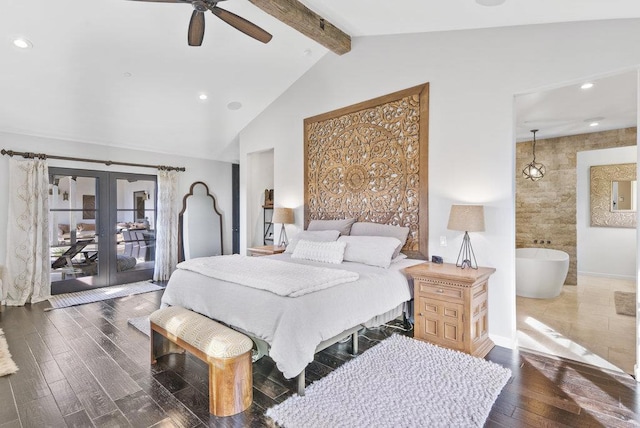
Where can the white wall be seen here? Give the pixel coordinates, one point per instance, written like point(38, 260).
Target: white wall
point(474, 76)
point(259, 177)
point(216, 174)
point(619, 259)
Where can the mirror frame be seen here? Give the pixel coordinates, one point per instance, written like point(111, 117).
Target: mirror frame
point(181, 223)
point(601, 178)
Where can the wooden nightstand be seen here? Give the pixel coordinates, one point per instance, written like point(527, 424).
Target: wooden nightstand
point(451, 306)
point(265, 250)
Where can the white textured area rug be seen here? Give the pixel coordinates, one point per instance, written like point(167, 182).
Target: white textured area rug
point(142, 324)
point(401, 382)
point(7, 366)
point(99, 294)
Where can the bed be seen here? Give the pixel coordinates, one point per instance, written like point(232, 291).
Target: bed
point(367, 164)
point(295, 327)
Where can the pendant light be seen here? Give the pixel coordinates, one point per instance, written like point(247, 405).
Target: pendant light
point(535, 170)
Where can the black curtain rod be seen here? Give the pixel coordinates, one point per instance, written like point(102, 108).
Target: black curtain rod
point(29, 155)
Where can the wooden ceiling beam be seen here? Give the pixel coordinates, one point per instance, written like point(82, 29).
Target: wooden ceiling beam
point(301, 18)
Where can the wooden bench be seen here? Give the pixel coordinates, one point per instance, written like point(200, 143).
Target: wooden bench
point(226, 351)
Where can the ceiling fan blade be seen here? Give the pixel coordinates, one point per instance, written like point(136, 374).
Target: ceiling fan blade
point(196, 28)
point(248, 28)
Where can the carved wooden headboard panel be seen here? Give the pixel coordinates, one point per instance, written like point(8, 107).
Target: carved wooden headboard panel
point(369, 161)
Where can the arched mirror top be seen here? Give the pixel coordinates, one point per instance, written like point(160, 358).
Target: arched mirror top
point(200, 224)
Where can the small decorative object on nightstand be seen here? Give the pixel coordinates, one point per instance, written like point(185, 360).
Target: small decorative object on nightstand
point(451, 306)
point(265, 250)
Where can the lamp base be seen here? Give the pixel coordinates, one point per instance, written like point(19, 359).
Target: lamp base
point(466, 254)
point(282, 240)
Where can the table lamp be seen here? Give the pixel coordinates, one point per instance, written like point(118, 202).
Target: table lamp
point(282, 216)
point(467, 218)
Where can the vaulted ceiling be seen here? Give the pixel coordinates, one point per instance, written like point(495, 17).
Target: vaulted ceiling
point(120, 73)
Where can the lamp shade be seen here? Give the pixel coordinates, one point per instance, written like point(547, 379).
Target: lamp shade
point(467, 218)
point(282, 215)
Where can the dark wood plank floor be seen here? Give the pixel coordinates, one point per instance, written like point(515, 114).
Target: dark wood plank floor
point(84, 366)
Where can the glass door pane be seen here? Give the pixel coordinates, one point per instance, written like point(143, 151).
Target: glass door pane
point(74, 224)
point(135, 227)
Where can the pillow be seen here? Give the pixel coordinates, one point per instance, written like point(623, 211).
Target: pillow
point(370, 250)
point(399, 257)
point(326, 252)
point(362, 228)
point(344, 225)
point(318, 236)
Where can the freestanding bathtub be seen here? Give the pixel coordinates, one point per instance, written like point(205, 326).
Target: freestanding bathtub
point(540, 272)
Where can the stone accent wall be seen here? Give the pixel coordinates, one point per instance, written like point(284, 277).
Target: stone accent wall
point(546, 209)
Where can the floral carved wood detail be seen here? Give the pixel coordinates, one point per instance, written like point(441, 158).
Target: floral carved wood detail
point(601, 178)
point(369, 161)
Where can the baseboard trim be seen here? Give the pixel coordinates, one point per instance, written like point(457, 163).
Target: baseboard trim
point(608, 275)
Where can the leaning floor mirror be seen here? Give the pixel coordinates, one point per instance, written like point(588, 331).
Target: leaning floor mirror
point(199, 224)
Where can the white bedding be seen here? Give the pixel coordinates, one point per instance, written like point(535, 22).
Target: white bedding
point(293, 326)
point(279, 277)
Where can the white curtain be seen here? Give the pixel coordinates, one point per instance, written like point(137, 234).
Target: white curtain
point(26, 276)
point(166, 226)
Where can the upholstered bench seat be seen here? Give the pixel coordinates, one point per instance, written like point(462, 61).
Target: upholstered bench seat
point(227, 352)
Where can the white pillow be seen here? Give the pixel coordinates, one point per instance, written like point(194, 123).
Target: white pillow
point(370, 250)
point(399, 257)
point(326, 252)
point(364, 228)
point(318, 236)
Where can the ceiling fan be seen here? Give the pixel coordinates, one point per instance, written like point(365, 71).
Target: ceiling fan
point(196, 25)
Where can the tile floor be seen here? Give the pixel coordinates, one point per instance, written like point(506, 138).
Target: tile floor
point(581, 324)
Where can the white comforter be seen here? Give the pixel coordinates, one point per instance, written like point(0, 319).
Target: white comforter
point(282, 278)
point(293, 326)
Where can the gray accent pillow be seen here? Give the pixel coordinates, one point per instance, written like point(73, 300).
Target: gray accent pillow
point(363, 228)
point(370, 250)
point(344, 225)
point(317, 236)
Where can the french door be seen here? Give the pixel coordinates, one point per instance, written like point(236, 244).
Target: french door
point(102, 228)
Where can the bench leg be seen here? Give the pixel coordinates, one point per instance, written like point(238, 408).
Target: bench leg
point(230, 385)
point(301, 385)
point(160, 345)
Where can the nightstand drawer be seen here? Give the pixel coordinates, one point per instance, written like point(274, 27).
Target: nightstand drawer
point(438, 291)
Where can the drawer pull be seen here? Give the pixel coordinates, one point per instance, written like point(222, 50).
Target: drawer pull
point(420, 314)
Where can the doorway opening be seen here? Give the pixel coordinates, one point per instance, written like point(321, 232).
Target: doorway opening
point(578, 127)
point(102, 228)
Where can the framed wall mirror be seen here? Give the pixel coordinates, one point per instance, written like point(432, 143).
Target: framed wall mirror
point(623, 195)
point(199, 224)
point(613, 195)
point(139, 199)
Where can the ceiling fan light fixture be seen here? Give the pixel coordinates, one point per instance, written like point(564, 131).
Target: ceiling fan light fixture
point(534, 171)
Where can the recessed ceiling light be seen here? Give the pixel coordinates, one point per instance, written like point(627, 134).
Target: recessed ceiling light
point(203, 97)
point(307, 52)
point(127, 74)
point(594, 124)
point(587, 85)
point(490, 2)
point(234, 105)
point(22, 43)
